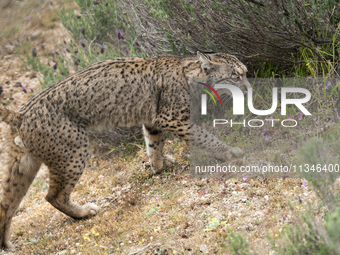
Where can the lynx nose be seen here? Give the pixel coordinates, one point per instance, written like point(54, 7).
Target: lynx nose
point(245, 81)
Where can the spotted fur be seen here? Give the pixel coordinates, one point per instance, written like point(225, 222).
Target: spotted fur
point(51, 127)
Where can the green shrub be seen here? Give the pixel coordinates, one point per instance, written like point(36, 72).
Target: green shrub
point(291, 37)
point(314, 237)
point(289, 34)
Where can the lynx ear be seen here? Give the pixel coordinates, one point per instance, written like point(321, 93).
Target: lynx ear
point(205, 59)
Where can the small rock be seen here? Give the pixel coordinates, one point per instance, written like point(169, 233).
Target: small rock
point(9, 49)
point(204, 248)
point(33, 75)
point(18, 84)
point(185, 225)
point(266, 197)
point(35, 224)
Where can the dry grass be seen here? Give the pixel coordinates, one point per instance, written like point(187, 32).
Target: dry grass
point(169, 211)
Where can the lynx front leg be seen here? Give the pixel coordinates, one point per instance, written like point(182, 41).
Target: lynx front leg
point(154, 142)
point(202, 139)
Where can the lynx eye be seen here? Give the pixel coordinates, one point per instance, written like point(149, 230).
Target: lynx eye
point(238, 79)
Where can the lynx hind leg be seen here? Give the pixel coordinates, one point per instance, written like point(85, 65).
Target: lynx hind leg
point(61, 186)
point(20, 170)
point(64, 175)
point(154, 142)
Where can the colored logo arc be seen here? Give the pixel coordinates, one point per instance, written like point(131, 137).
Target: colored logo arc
point(213, 90)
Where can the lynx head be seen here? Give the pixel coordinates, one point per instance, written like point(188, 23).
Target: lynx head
point(225, 69)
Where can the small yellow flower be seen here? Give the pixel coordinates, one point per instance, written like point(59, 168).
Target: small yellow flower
point(224, 222)
point(96, 244)
point(157, 229)
point(280, 230)
point(174, 252)
point(97, 234)
point(276, 235)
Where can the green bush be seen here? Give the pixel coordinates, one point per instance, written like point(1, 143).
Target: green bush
point(237, 244)
point(291, 37)
point(314, 237)
point(100, 32)
point(270, 33)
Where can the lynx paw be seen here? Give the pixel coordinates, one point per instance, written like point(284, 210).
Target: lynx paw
point(168, 160)
point(90, 209)
point(234, 152)
point(8, 246)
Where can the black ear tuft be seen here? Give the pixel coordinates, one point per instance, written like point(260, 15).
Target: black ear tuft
point(202, 51)
point(209, 52)
point(195, 48)
point(1, 90)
